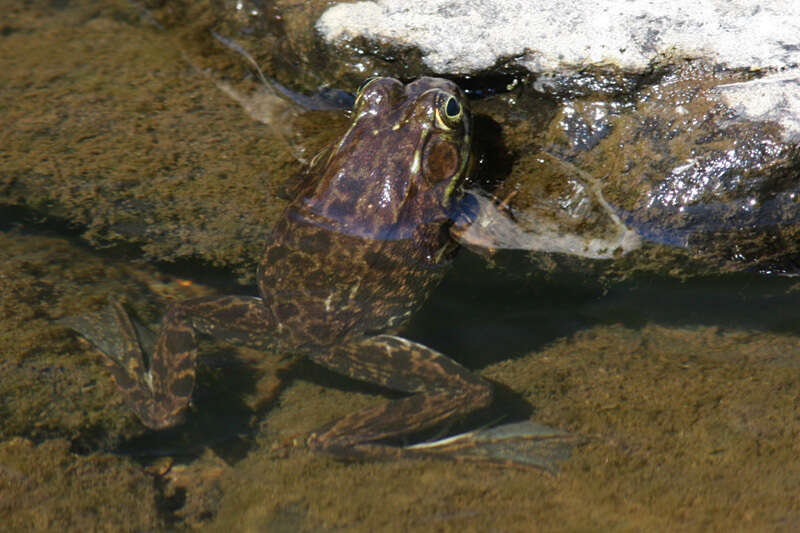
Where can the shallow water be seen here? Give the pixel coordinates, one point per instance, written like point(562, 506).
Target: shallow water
point(685, 393)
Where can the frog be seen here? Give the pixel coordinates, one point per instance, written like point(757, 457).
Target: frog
point(367, 237)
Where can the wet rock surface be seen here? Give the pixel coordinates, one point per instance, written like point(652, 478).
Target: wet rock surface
point(122, 138)
point(680, 167)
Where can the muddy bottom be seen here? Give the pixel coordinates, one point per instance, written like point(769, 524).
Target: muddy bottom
point(685, 396)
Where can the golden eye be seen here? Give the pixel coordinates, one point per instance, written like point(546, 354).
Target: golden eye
point(449, 110)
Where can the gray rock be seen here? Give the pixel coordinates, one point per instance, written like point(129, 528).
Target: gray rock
point(773, 98)
point(467, 36)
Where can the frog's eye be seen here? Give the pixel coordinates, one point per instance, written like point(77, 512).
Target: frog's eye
point(452, 108)
point(449, 111)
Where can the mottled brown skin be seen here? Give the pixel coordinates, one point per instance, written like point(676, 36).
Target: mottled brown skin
point(354, 255)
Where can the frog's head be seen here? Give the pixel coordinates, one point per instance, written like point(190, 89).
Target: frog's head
point(402, 161)
point(430, 124)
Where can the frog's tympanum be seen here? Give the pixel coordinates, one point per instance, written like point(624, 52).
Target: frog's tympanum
point(353, 256)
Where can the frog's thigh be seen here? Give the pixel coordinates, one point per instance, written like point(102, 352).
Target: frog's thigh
point(444, 389)
point(235, 319)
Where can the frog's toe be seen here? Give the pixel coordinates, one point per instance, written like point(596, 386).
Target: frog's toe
point(521, 444)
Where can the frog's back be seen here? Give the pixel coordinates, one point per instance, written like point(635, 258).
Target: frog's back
point(324, 286)
point(367, 237)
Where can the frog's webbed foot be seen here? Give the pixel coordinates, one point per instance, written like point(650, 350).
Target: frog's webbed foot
point(128, 347)
point(156, 373)
point(441, 389)
point(519, 444)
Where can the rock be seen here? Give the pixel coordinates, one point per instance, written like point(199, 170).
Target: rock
point(775, 98)
point(469, 36)
point(682, 164)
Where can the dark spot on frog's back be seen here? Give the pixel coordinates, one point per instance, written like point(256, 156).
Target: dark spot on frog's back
point(300, 261)
point(356, 188)
point(320, 331)
point(180, 341)
point(286, 311)
point(276, 254)
point(379, 262)
point(182, 386)
point(316, 278)
point(338, 209)
point(318, 241)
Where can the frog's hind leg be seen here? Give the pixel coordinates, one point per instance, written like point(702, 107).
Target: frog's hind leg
point(159, 390)
point(124, 343)
point(442, 389)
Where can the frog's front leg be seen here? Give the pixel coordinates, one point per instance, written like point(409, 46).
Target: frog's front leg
point(160, 391)
point(442, 389)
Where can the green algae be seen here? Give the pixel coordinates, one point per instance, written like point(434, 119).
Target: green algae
point(45, 487)
point(687, 426)
point(119, 133)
